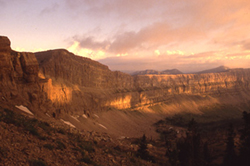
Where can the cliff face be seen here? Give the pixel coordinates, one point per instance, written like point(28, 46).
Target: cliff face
point(19, 81)
point(81, 82)
point(212, 83)
point(60, 82)
point(151, 89)
point(17, 65)
point(61, 64)
point(100, 87)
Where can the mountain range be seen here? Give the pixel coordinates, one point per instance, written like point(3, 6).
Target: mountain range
point(65, 89)
point(145, 72)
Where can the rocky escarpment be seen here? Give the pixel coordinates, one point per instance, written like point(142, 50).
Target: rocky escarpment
point(70, 84)
point(19, 81)
point(101, 87)
point(58, 84)
point(160, 88)
point(20, 66)
point(79, 81)
point(153, 89)
point(61, 64)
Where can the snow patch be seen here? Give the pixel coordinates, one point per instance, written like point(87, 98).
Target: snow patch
point(123, 137)
point(85, 116)
point(96, 115)
point(68, 123)
point(102, 126)
point(75, 118)
point(24, 109)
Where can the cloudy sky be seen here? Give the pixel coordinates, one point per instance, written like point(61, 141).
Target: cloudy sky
point(134, 34)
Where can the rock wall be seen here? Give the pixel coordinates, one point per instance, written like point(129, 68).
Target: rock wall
point(19, 81)
point(73, 84)
point(19, 65)
point(152, 89)
point(159, 88)
point(103, 88)
point(197, 83)
point(5, 59)
point(30, 66)
point(61, 64)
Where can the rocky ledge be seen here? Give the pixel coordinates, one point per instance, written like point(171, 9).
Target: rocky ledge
point(76, 85)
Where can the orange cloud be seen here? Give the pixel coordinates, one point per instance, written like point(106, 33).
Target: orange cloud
point(94, 54)
point(157, 52)
point(200, 34)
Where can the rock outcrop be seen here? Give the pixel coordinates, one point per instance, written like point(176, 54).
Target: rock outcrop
point(98, 86)
point(19, 81)
point(5, 59)
point(63, 83)
point(61, 64)
point(18, 65)
point(30, 66)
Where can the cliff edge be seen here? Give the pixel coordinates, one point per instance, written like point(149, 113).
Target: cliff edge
point(19, 81)
point(58, 84)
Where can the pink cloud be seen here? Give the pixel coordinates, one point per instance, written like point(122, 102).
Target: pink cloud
point(152, 36)
point(211, 29)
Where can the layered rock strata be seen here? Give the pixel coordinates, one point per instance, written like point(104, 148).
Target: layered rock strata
point(58, 82)
point(105, 88)
point(19, 81)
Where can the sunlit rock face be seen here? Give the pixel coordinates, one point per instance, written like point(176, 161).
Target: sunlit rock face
point(151, 89)
point(61, 64)
point(83, 83)
point(58, 81)
point(19, 81)
point(211, 83)
point(99, 88)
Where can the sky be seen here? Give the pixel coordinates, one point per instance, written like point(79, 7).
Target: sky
point(131, 35)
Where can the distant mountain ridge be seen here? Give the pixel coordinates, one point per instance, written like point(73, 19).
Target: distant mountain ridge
point(215, 70)
point(146, 72)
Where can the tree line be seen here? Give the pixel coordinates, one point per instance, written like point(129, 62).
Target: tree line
point(193, 151)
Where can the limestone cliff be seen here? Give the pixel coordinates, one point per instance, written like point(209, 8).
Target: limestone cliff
point(17, 65)
point(79, 81)
point(153, 89)
point(99, 88)
point(19, 81)
point(61, 64)
point(58, 82)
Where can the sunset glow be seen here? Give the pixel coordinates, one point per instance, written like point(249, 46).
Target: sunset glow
point(134, 35)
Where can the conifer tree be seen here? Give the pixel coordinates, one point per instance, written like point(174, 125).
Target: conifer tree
point(173, 157)
point(244, 156)
point(207, 154)
point(142, 152)
point(190, 150)
point(230, 155)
